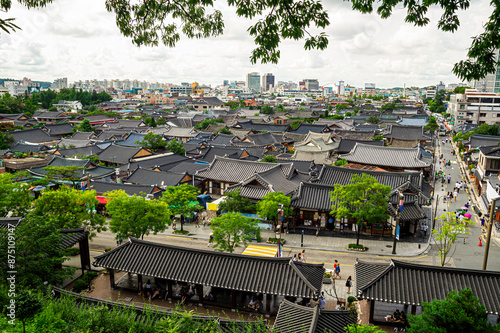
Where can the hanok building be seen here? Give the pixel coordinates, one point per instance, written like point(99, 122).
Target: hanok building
point(161, 179)
point(231, 278)
point(317, 147)
point(407, 136)
point(404, 286)
point(391, 159)
point(312, 203)
point(117, 155)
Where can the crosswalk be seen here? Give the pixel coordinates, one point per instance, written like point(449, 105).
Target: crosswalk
point(260, 251)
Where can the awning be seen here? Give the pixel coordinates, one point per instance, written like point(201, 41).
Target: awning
point(102, 200)
point(214, 205)
point(261, 251)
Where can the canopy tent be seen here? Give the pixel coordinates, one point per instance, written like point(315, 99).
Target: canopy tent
point(214, 205)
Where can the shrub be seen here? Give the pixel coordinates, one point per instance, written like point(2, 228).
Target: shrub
point(89, 276)
point(328, 275)
point(80, 286)
point(72, 251)
point(355, 246)
point(183, 232)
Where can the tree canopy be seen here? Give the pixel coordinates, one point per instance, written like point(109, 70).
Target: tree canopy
point(15, 196)
point(175, 147)
point(446, 232)
point(269, 204)
point(232, 229)
point(364, 200)
point(235, 203)
point(135, 216)
point(181, 200)
point(153, 141)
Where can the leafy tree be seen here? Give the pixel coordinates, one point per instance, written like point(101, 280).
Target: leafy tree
point(224, 130)
point(268, 206)
point(432, 125)
point(356, 328)
point(135, 216)
point(152, 141)
point(235, 203)
point(460, 90)
point(364, 200)
point(458, 312)
point(348, 114)
point(67, 208)
point(338, 116)
point(150, 121)
point(39, 255)
point(15, 196)
point(341, 162)
point(446, 232)
point(69, 173)
point(206, 122)
point(161, 121)
point(296, 123)
point(389, 107)
point(266, 109)
point(485, 129)
point(10, 104)
point(280, 108)
point(232, 229)
point(176, 147)
point(378, 137)
point(340, 107)
point(182, 200)
point(373, 120)
point(5, 140)
point(27, 306)
point(269, 159)
point(85, 126)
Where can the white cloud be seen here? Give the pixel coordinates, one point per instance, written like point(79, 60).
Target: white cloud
point(79, 39)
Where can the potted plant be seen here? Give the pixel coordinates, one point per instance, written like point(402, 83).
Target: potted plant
point(327, 278)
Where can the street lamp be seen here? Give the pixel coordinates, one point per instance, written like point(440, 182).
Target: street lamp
point(278, 228)
point(400, 209)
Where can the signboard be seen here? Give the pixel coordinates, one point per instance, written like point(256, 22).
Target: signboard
point(397, 233)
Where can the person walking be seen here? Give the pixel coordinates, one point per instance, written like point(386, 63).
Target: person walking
point(348, 284)
point(455, 194)
point(337, 269)
point(458, 187)
point(303, 255)
point(426, 227)
point(449, 179)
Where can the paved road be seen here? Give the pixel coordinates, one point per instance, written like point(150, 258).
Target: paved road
point(468, 255)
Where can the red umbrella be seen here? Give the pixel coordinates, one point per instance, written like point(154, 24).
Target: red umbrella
point(467, 215)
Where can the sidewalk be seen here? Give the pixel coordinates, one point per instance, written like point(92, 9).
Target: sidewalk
point(326, 243)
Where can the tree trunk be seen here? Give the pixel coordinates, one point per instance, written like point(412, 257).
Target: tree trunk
point(357, 234)
point(182, 222)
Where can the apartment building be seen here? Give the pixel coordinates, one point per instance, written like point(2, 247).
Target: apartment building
point(475, 107)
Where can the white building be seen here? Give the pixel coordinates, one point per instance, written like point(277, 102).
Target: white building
point(253, 81)
point(475, 107)
point(491, 83)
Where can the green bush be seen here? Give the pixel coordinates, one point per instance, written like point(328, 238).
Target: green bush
point(72, 251)
point(328, 275)
point(80, 286)
point(275, 240)
point(89, 277)
point(183, 232)
point(355, 246)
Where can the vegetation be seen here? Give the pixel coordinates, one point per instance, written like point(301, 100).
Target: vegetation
point(235, 203)
point(68, 173)
point(341, 162)
point(296, 123)
point(266, 109)
point(373, 120)
point(175, 147)
point(15, 196)
point(269, 205)
point(378, 137)
point(135, 215)
point(458, 312)
point(437, 105)
point(432, 125)
point(6, 140)
point(224, 130)
point(181, 200)
point(232, 229)
point(207, 122)
point(445, 232)
point(150, 121)
point(152, 141)
point(85, 126)
point(364, 200)
point(269, 159)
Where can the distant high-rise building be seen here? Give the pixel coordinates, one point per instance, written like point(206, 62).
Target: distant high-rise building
point(491, 83)
point(225, 82)
point(440, 86)
point(267, 81)
point(253, 81)
point(311, 84)
point(60, 83)
point(341, 88)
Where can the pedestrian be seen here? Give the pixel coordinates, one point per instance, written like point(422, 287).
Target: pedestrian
point(317, 230)
point(455, 194)
point(465, 186)
point(469, 203)
point(322, 302)
point(210, 239)
point(426, 227)
point(294, 257)
point(458, 188)
point(482, 221)
point(299, 258)
point(348, 284)
point(303, 255)
point(449, 179)
point(337, 270)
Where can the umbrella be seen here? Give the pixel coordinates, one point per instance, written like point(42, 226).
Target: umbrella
point(467, 215)
point(464, 208)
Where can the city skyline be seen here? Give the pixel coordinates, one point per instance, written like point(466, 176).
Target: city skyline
point(80, 40)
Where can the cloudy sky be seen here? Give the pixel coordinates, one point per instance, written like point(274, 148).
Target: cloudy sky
point(79, 39)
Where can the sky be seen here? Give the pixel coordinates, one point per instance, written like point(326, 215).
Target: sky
point(79, 39)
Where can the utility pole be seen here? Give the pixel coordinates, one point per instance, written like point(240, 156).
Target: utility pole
point(490, 226)
point(396, 233)
point(278, 229)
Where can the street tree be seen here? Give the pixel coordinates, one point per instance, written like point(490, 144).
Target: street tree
point(446, 231)
point(161, 121)
point(152, 141)
point(176, 147)
point(85, 126)
point(364, 200)
point(69, 173)
point(15, 196)
point(39, 254)
point(6, 140)
point(458, 312)
point(432, 125)
point(233, 202)
point(135, 216)
point(182, 200)
point(341, 162)
point(269, 159)
point(232, 229)
point(268, 206)
point(68, 208)
point(28, 305)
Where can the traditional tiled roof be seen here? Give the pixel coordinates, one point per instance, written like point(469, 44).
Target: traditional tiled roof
point(131, 140)
point(158, 178)
point(28, 147)
point(385, 156)
point(95, 172)
point(346, 145)
point(82, 135)
point(164, 160)
point(411, 211)
point(33, 135)
point(180, 132)
point(58, 129)
point(354, 135)
point(102, 187)
point(217, 269)
point(410, 283)
point(113, 134)
point(72, 236)
point(313, 196)
point(407, 133)
point(477, 141)
point(222, 139)
point(67, 143)
point(493, 151)
point(261, 139)
point(250, 125)
point(410, 121)
point(82, 151)
point(235, 171)
point(120, 155)
point(294, 318)
point(305, 128)
point(190, 167)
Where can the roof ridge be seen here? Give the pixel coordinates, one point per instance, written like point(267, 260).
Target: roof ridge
point(299, 273)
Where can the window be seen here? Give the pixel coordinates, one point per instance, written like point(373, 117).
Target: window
point(482, 115)
point(495, 164)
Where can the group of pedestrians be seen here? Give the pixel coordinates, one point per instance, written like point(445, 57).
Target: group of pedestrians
point(301, 257)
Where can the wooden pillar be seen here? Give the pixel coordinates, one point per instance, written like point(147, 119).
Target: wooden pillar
point(139, 282)
point(169, 289)
point(233, 299)
point(371, 304)
point(84, 254)
point(268, 303)
point(199, 290)
point(413, 309)
point(111, 278)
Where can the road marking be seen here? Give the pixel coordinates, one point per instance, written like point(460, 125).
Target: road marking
point(178, 237)
point(96, 250)
point(332, 252)
point(384, 256)
point(327, 263)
